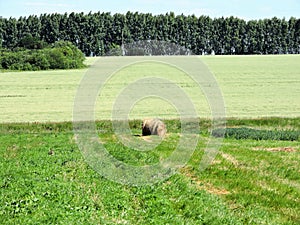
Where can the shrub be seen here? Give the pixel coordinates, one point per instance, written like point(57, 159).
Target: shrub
point(62, 55)
point(39, 61)
point(56, 59)
point(9, 58)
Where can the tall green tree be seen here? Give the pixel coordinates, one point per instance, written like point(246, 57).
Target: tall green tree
point(10, 33)
point(50, 27)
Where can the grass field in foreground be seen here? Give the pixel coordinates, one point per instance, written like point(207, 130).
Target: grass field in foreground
point(45, 180)
point(252, 86)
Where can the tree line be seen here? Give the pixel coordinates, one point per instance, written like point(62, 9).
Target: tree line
point(100, 33)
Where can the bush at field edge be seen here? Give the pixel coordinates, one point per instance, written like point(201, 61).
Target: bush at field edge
point(61, 55)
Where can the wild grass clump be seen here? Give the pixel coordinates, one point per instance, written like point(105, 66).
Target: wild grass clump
point(256, 134)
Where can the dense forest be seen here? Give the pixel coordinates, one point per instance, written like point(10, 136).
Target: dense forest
point(101, 33)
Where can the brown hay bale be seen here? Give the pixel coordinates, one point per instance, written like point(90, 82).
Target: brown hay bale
point(153, 127)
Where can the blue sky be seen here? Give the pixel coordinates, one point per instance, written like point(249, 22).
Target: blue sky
point(245, 9)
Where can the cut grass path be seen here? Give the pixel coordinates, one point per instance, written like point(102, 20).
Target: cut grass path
point(252, 86)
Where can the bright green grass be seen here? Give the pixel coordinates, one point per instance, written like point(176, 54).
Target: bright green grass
point(249, 182)
point(252, 86)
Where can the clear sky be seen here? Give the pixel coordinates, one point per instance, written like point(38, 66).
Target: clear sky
point(245, 9)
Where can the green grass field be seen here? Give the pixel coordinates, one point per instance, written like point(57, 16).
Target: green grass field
point(255, 86)
point(252, 86)
point(44, 178)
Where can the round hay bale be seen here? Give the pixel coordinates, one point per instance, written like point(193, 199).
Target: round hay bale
point(154, 127)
